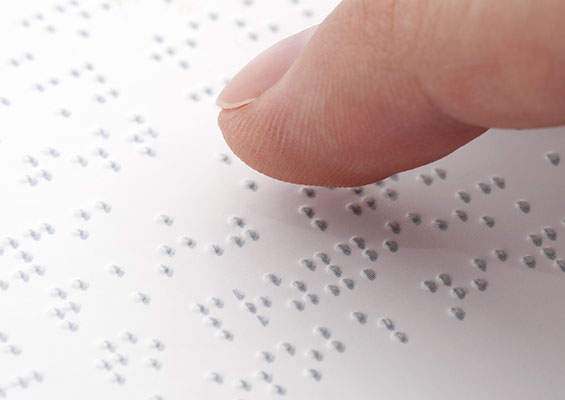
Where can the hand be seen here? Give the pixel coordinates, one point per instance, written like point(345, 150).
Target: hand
point(383, 86)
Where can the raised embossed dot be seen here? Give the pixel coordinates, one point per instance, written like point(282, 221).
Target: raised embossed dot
point(263, 376)
point(553, 158)
point(334, 269)
point(488, 221)
point(348, 283)
point(393, 226)
point(289, 348)
point(307, 263)
point(550, 233)
point(355, 208)
point(323, 331)
point(524, 206)
point(536, 239)
point(368, 273)
point(399, 337)
point(560, 263)
point(214, 249)
point(479, 263)
point(479, 284)
point(502, 255)
point(359, 317)
point(431, 286)
point(466, 197)
point(250, 184)
point(249, 307)
point(444, 278)
point(236, 240)
point(314, 354)
point(238, 294)
point(390, 194)
point(457, 313)
point(263, 320)
point(266, 356)
point(337, 345)
point(307, 211)
point(277, 389)
point(320, 224)
point(167, 250)
point(499, 182)
point(415, 218)
point(371, 254)
point(188, 242)
point(426, 179)
point(313, 298)
point(314, 374)
point(386, 323)
point(370, 202)
point(484, 187)
point(266, 301)
point(344, 248)
point(358, 241)
point(462, 215)
point(308, 192)
point(251, 234)
point(440, 224)
point(458, 292)
point(391, 245)
point(299, 285)
point(333, 289)
point(549, 252)
point(323, 257)
point(274, 279)
point(441, 173)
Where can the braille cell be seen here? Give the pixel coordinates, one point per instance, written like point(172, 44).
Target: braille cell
point(391, 245)
point(344, 248)
point(457, 313)
point(368, 273)
point(553, 158)
point(334, 269)
point(444, 279)
point(479, 284)
point(524, 206)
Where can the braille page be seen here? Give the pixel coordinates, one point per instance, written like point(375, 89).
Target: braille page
point(140, 259)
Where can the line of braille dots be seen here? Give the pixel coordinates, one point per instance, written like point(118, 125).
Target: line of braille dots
point(21, 382)
point(114, 359)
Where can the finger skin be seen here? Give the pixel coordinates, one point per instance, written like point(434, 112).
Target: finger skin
point(386, 86)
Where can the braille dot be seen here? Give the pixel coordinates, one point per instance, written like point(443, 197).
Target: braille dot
point(336, 344)
point(263, 376)
point(153, 363)
point(289, 348)
point(167, 250)
point(500, 254)
point(386, 323)
point(344, 248)
point(116, 270)
point(370, 202)
point(250, 184)
point(441, 173)
point(299, 285)
point(391, 245)
point(440, 224)
point(267, 302)
point(426, 179)
point(559, 263)
point(307, 211)
point(358, 241)
point(553, 158)
point(369, 274)
point(313, 298)
point(457, 313)
point(462, 215)
point(355, 208)
point(117, 378)
point(226, 335)
point(499, 182)
point(549, 252)
point(323, 257)
point(371, 254)
point(311, 265)
point(393, 226)
point(444, 278)
point(485, 187)
point(488, 221)
point(524, 206)
point(466, 197)
point(359, 316)
point(308, 192)
point(429, 285)
point(142, 298)
point(399, 337)
point(214, 377)
point(348, 283)
point(323, 331)
point(274, 279)
point(263, 320)
point(333, 289)
point(334, 269)
point(266, 356)
point(277, 389)
point(321, 224)
point(314, 355)
point(251, 234)
point(249, 307)
point(188, 242)
point(296, 304)
point(215, 249)
point(480, 264)
point(390, 194)
point(479, 284)
point(223, 158)
point(80, 284)
point(238, 294)
point(415, 218)
point(236, 240)
point(550, 233)
point(314, 374)
point(458, 292)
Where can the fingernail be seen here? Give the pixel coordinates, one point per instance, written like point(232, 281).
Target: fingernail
point(263, 71)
